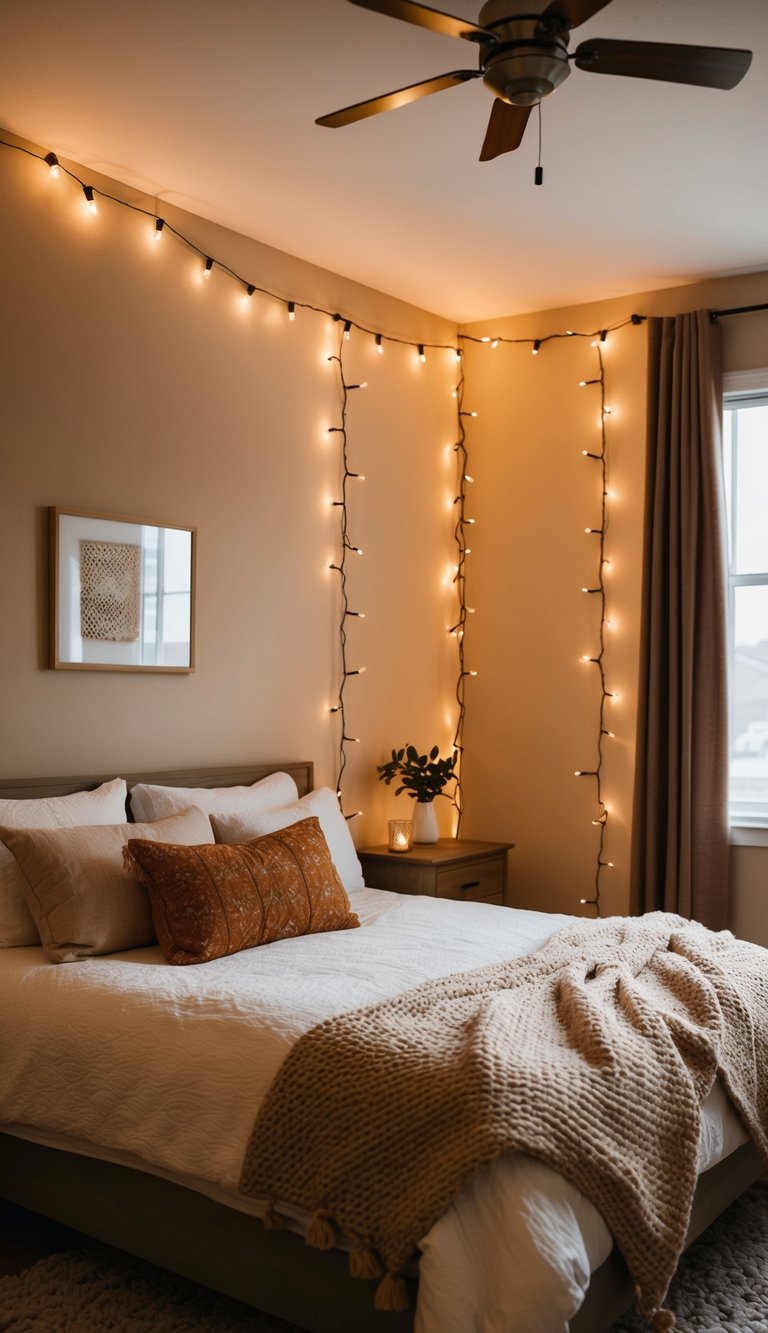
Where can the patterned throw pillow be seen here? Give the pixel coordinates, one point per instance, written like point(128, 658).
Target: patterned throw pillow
point(215, 900)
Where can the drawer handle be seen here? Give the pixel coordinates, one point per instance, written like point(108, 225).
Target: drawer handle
point(473, 884)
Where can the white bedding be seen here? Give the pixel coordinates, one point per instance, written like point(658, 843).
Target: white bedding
point(164, 1067)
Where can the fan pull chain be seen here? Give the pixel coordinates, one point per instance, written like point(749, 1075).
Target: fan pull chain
point(538, 175)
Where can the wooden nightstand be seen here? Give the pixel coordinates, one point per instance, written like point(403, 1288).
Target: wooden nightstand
point(449, 868)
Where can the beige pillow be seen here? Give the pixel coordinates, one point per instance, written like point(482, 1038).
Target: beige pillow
point(82, 898)
point(105, 805)
point(150, 802)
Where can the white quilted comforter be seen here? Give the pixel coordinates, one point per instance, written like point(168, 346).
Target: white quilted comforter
point(163, 1067)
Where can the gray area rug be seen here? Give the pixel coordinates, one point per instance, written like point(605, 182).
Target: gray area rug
point(722, 1281)
point(722, 1287)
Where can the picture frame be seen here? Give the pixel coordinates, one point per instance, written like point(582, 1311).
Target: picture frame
point(122, 593)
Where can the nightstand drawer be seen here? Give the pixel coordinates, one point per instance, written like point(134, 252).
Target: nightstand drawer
point(483, 880)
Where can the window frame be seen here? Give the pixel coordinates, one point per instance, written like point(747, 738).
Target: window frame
point(741, 388)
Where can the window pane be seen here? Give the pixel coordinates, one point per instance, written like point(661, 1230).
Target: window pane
point(749, 717)
point(178, 560)
point(751, 529)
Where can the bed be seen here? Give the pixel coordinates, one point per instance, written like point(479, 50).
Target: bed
point(129, 1176)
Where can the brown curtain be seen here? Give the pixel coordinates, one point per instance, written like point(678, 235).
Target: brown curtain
point(680, 828)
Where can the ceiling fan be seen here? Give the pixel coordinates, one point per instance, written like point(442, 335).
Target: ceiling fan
point(523, 56)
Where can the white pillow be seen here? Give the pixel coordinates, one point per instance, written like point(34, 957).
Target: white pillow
point(149, 802)
point(243, 825)
point(105, 805)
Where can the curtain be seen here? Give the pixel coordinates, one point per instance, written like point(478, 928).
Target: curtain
point(680, 848)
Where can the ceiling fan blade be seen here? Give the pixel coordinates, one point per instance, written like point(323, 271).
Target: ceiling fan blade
point(424, 17)
point(400, 97)
point(506, 128)
point(573, 11)
point(707, 66)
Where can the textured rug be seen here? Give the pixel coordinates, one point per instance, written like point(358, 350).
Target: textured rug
point(721, 1287)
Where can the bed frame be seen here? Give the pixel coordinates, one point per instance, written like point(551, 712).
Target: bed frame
point(191, 1234)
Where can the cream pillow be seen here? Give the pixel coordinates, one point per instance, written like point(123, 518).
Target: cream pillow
point(105, 805)
point(82, 898)
point(149, 802)
point(243, 825)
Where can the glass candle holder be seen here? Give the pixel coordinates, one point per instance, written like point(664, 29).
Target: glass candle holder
point(400, 835)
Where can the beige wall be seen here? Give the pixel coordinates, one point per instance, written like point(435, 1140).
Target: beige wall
point(534, 718)
point(131, 387)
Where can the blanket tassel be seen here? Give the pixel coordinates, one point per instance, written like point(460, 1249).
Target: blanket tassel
point(272, 1221)
point(363, 1263)
point(661, 1321)
point(392, 1293)
point(321, 1234)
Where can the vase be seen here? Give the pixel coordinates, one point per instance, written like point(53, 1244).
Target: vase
point(425, 822)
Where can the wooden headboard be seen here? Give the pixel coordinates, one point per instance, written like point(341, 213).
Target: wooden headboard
point(242, 775)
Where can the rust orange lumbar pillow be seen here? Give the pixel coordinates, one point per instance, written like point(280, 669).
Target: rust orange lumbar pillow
point(214, 900)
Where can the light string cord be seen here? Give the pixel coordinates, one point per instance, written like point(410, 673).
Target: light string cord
point(210, 262)
point(347, 547)
point(599, 592)
point(460, 581)
point(495, 340)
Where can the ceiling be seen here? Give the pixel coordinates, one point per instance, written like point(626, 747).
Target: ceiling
point(210, 104)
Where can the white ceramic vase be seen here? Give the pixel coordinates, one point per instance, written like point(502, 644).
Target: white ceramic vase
point(425, 822)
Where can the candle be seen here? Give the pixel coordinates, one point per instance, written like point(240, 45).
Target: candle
point(400, 835)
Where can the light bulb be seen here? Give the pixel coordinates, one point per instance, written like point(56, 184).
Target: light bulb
point(347, 328)
point(379, 344)
point(208, 267)
point(422, 353)
point(291, 310)
point(88, 192)
point(53, 163)
point(159, 224)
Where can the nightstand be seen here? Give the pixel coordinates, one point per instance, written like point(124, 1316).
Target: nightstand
point(448, 868)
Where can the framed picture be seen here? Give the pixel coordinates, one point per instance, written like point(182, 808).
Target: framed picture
point(122, 593)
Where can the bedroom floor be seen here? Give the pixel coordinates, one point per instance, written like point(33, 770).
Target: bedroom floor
point(25, 1237)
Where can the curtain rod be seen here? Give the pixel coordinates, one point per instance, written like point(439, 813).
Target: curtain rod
point(737, 310)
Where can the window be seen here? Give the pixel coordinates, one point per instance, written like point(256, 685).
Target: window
point(745, 445)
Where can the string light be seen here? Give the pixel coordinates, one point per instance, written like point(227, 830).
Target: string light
point(599, 591)
point(53, 163)
point(379, 344)
point(159, 224)
point(347, 545)
point(458, 630)
point(249, 290)
point(536, 346)
point(208, 267)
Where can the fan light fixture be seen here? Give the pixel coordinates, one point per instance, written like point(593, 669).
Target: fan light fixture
point(524, 56)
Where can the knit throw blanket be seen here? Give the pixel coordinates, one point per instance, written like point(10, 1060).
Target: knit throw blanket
point(593, 1054)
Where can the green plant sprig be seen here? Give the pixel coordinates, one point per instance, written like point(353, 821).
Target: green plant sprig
point(422, 776)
